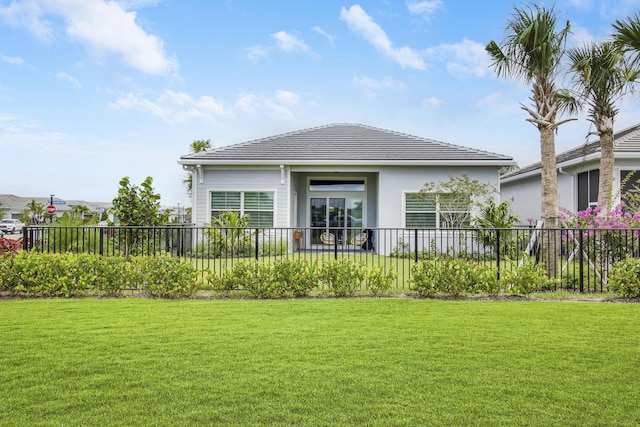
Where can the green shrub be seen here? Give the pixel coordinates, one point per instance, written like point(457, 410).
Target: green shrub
point(239, 276)
point(528, 278)
point(342, 276)
point(299, 277)
point(166, 277)
point(65, 275)
point(624, 277)
point(379, 282)
point(452, 276)
point(282, 277)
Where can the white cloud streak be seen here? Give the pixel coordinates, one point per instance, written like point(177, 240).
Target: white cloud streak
point(104, 27)
point(289, 43)
point(178, 107)
point(13, 60)
point(467, 58)
point(360, 22)
point(424, 8)
point(373, 87)
point(66, 77)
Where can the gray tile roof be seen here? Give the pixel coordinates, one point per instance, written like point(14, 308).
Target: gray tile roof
point(625, 141)
point(343, 143)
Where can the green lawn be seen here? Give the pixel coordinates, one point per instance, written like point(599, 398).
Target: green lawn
point(320, 361)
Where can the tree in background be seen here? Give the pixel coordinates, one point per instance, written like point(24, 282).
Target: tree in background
point(78, 212)
point(532, 52)
point(456, 198)
point(197, 146)
point(601, 76)
point(138, 206)
point(33, 213)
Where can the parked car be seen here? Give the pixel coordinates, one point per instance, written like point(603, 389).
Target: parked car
point(11, 226)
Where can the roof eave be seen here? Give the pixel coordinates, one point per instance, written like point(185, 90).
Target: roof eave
point(238, 162)
point(569, 163)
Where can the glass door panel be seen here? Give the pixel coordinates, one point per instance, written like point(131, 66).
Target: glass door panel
point(328, 215)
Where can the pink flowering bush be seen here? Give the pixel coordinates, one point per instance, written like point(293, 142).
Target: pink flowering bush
point(606, 237)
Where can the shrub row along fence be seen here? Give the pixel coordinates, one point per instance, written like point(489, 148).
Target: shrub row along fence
point(584, 256)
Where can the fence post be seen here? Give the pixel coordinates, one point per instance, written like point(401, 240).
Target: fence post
point(335, 246)
point(498, 251)
point(24, 239)
point(580, 255)
point(257, 243)
point(101, 250)
point(415, 245)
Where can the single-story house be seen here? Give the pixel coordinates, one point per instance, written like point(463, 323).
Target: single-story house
point(340, 176)
point(578, 176)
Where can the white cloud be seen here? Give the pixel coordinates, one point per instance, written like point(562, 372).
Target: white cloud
point(256, 53)
point(424, 8)
point(431, 102)
point(13, 60)
point(324, 34)
point(463, 59)
point(68, 78)
point(581, 36)
point(360, 22)
point(287, 98)
point(173, 107)
point(278, 106)
point(373, 87)
point(103, 26)
point(289, 43)
point(178, 107)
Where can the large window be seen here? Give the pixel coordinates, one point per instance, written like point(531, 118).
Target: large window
point(438, 211)
point(257, 205)
point(588, 189)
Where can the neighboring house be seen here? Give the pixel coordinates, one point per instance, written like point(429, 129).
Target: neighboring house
point(338, 177)
point(14, 205)
point(578, 176)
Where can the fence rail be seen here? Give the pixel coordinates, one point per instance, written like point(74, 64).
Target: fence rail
point(584, 256)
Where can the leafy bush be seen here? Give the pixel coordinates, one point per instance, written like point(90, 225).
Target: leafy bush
point(624, 277)
point(442, 275)
point(283, 277)
point(379, 282)
point(64, 275)
point(342, 276)
point(528, 278)
point(239, 276)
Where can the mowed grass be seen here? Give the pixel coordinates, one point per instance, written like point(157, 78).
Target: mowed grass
point(324, 361)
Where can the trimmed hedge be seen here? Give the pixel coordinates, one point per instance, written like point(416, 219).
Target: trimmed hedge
point(31, 274)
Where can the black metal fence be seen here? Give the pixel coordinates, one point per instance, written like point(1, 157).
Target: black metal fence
point(583, 256)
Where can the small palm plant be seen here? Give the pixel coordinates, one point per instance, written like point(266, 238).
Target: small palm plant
point(229, 234)
point(491, 219)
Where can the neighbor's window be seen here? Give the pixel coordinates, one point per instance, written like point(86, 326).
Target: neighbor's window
point(420, 212)
point(588, 183)
point(257, 205)
point(435, 212)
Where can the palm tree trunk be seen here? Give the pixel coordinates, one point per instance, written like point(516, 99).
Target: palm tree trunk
point(550, 211)
point(606, 171)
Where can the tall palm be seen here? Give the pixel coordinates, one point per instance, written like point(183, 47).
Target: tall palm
point(532, 52)
point(35, 211)
point(197, 146)
point(601, 75)
point(627, 36)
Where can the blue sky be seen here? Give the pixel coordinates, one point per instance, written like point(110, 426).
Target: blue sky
point(92, 91)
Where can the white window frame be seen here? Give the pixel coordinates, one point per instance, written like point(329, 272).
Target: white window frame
point(242, 198)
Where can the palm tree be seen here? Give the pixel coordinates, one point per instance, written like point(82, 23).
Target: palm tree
point(197, 146)
point(628, 36)
point(78, 212)
point(532, 51)
point(35, 211)
point(601, 75)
